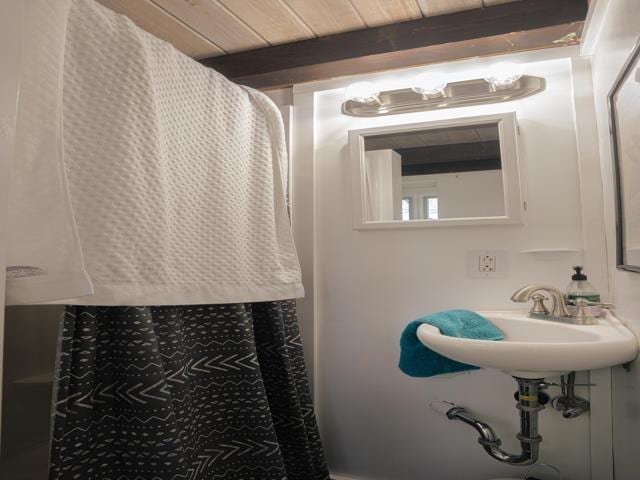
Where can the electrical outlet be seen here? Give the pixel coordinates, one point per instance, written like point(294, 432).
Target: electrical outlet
point(487, 263)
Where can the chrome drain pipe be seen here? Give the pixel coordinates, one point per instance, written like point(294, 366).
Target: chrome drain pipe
point(528, 405)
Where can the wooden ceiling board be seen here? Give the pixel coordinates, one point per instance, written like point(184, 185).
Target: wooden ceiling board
point(438, 136)
point(512, 27)
point(273, 20)
point(325, 17)
point(287, 75)
point(383, 12)
point(158, 22)
point(214, 22)
point(252, 32)
point(438, 7)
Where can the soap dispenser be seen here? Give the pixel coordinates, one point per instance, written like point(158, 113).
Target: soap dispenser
point(581, 288)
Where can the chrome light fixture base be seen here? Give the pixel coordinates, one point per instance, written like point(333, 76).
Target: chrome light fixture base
point(455, 94)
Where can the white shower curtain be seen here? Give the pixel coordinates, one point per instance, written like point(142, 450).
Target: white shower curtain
point(44, 258)
point(172, 176)
point(166, 185)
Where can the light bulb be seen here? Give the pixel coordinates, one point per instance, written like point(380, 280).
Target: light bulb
point(504, 75)
point(362, 92)
point(430, 84)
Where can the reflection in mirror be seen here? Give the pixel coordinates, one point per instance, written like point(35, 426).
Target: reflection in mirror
point(624, 108)
point(436, 173)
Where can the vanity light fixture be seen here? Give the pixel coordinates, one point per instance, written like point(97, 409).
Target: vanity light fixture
point(504, 75)
point(430, 85)
point(363, 92)
point(433, 92)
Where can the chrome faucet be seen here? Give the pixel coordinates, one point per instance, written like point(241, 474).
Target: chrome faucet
point(559, 311)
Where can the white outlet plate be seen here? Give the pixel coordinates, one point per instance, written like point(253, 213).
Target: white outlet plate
point(487, 263)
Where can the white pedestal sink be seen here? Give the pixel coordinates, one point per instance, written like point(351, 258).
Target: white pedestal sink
point(536, 348)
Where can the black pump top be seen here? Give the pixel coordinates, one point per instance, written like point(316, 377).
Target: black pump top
point(578, 275)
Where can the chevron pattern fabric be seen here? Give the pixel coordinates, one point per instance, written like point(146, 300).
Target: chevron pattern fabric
point(199, 392)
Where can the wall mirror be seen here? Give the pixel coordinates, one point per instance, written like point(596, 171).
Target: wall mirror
point(624, 109)
point(453, 172)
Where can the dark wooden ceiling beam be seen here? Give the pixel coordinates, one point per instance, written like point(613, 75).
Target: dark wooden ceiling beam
point(509, 27)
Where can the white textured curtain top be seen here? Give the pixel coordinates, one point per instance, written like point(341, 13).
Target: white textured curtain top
point(174, 174)
point(44, 258)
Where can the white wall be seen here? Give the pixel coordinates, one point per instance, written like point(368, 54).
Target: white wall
point(612, 33)
point(367, 285)
point(462, 194)
point(302, 191)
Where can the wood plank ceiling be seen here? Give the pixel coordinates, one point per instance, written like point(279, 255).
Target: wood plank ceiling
point(208, 28)
point(278, 43)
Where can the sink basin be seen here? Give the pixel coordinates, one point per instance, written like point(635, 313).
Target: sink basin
point(536, 348)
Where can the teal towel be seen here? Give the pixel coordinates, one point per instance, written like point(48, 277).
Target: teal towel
point(416, 360)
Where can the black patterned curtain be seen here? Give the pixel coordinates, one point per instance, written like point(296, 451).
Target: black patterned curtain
point(184, 392)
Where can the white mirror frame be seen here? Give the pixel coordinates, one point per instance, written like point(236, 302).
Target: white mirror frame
point(508, 134)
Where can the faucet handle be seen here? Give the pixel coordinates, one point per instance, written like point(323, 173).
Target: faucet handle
point(583, 315)
point(538, 304)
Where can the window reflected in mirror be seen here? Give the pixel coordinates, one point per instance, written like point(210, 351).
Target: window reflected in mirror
point(437, 173)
